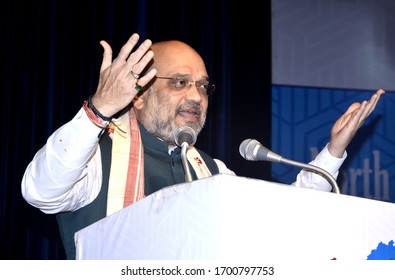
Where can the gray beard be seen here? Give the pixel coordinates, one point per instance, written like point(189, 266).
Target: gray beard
point(165, 130)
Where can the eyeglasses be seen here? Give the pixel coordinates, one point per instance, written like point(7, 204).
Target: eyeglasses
point(183, 83)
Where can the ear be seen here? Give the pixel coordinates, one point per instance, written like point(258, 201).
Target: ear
point(139, 99)
point(138, 102)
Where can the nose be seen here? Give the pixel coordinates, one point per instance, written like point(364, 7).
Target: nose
point(193, 92)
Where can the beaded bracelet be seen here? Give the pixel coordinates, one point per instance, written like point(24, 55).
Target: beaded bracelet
point(97, 113)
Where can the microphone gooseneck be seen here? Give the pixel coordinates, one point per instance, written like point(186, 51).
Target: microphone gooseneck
point(252, 150)
point(185, 137)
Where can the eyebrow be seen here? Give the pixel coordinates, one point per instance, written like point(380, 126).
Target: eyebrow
point(183, 75)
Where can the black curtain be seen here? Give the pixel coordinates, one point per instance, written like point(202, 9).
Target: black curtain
point(50, 63)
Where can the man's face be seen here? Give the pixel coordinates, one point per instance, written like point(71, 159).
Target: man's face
point(173, 103)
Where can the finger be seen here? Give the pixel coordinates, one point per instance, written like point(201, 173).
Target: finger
point(353, 107)
point(140, 58)
point(142, 82)
point(134, 75)
point(107, 55)
point(368, 107)
point(139, 66)
point(365, 110)
point(380, 92)
point(127, 48)
point(362, 113)
point(375, 99)
point(371, 105)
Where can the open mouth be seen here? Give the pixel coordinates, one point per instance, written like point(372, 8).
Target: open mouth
point(190, 114)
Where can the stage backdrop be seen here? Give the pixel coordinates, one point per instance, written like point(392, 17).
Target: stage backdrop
point(325, 56)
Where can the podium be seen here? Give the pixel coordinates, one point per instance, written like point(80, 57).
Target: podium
point(226, 217)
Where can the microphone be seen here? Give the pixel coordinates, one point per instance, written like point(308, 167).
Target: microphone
point(184, 137)
point(251, 149)
point(185, 134)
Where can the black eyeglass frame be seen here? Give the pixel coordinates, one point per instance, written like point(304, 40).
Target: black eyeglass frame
point(210, 86)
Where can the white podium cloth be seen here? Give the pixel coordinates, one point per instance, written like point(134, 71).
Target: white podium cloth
point(227, 217)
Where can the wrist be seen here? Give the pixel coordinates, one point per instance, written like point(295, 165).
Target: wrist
point(96, 111)
point(94, 115)
point(335, 152)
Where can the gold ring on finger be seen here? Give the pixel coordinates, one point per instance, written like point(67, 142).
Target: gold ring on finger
point(136, 76)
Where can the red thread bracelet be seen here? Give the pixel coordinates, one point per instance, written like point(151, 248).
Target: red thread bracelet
point(98, 121)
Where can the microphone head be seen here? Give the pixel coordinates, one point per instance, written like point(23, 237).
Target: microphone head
point(185, 134)
point(247, 149)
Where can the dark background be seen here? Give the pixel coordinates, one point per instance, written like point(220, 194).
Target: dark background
point(50, 61)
